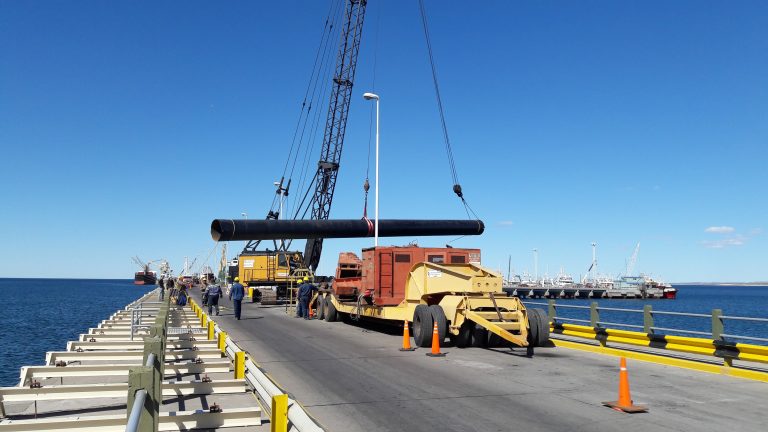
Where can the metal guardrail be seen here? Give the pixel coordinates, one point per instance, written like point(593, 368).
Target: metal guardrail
point(135, 416)
point(144, 389)
point(718, 320)
point(716, 343)
point(145, 393)
point(139, 401)
point(281, 407)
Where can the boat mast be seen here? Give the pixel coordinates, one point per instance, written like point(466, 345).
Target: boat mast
point(632, 261)
point(509, 269)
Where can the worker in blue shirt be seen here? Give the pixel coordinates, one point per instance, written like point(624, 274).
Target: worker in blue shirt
point(213, 293)
point(299, 302)
point(236, 295)
point(305, 294)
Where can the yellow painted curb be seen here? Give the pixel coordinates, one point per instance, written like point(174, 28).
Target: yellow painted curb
point(667, 361)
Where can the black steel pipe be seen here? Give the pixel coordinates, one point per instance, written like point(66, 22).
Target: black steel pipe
point(269, 229)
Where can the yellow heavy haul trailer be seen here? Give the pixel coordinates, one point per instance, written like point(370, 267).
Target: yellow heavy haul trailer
point(424, 286)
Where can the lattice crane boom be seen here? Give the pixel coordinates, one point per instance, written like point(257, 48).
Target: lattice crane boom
point(322, 187)
point(336, 123)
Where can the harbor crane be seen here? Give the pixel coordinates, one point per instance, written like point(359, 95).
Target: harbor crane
point(277, 267)
point(142, 264)
point(271, 272)
point(323, 185)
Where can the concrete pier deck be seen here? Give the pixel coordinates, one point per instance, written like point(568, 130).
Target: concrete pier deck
point(352, 377)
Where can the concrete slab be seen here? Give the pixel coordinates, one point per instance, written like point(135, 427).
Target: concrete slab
point(352, 377)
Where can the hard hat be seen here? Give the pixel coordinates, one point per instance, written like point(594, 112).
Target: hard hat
point(237, 279)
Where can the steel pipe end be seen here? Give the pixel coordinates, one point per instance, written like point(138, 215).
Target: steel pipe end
point(222, 229)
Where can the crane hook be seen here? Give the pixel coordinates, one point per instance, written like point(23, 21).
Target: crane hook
point(457, 190)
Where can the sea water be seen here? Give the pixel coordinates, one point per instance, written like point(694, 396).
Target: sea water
point(44, 314)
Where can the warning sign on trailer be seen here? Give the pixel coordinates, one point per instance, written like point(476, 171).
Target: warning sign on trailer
point(434, 273)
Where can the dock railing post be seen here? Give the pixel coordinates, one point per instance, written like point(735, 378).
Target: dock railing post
point(717, 324)
point(718, 328)
point(154, 345)
point(134, 322)
point(222, 342)
point(551, 310)
point(239, 365)
point(279, 418)
point(647, 319)
point(141, 378)
point(594, 315)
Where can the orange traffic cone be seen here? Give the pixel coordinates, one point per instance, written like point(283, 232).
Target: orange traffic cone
point(406, 338)
point(625, 400)
point(435, 343)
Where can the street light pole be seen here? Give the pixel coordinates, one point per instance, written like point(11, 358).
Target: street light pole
point(369, 96)
point(244, 215)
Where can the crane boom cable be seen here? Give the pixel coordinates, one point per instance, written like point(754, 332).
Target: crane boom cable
point(317, 73)
point(205, 262)
point(449, 151)
point(328, 67)
point(309, 84)
point(327, 36)
point(336, 122)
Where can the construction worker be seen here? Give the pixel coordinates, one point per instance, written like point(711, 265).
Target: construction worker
point(299, 298)
point(213, 292)
point(236, 295)
point(312, 291)
point(299, 281)
point(305, 294)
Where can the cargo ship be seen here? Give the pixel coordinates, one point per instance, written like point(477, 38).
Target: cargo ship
point(145, 276)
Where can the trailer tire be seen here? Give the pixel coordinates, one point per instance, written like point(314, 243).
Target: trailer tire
point(438, 316)
point(464, 338)
point(480, 337)
point(320, 307)
point(330, 310)
point(533, 327)
point(422, 326)
point(539, 324)
point(494, 340)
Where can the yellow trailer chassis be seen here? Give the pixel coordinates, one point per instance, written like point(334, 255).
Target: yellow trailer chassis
point(457, 296)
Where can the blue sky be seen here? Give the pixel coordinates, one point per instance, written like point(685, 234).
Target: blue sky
point(126, 127)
